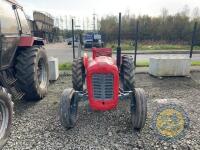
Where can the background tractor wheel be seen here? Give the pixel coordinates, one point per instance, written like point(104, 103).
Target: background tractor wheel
point(127, 73)
point(6, 114)
point(68, 109)
point(32, 72)
point(138, 109)
point(78, 74)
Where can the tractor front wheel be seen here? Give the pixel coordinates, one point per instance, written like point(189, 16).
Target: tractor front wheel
point(68, 109)
point(138, 109)
point(6, 114)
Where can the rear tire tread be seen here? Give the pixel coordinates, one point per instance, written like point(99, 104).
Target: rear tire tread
point(128, 73)
point(25, 67)
point(65, 115)
point(6, 99)
point(77, 74)
point(140, 114)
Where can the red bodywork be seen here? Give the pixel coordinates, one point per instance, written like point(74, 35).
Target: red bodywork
point(102, 63)
point(28, 41)
point(101, 52)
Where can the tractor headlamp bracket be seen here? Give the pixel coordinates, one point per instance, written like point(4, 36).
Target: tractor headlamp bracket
point(125, 95)
point(83, 96)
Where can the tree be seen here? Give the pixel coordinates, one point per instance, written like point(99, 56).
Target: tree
point(164, 14)
point(186, 11)
point(87, 23)
point(167, 28)
point(196, 14)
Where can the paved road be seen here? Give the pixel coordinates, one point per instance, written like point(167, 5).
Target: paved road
point(64, 53)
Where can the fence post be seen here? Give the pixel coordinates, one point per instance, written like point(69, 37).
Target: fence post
point(193, 39)
point(80, 46)
point(136, 42)
point(73, 38)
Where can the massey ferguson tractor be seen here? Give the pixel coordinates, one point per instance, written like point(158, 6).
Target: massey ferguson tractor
point(23, 64)
point(108, 80)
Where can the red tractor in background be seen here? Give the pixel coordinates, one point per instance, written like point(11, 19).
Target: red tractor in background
point(23, 64)
point(108, 80)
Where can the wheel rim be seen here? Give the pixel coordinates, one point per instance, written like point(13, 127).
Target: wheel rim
point(73, 108)
point(133, 107)
point(42, 74)
point(4, 118)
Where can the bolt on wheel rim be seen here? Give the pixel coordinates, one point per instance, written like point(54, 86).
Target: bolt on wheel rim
point(73, 107)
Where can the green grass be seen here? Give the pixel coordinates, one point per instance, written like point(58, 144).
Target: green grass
point(144, 63)
point(128, 45)
point(195, 63)
point(163, 47)
point(65, 66)
point(68, 66)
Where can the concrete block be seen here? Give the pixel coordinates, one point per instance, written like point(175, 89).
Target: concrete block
point(169, 66)
point(53, 69)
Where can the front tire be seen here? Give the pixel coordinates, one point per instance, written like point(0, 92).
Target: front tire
point(68, 109)
point(6, 114)
point(138, 109)
point(32, 72)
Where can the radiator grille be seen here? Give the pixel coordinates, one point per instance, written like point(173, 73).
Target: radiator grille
point(102, 86)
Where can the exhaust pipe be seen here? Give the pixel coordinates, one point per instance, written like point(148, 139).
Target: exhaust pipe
point(1, 39)
point(119, 44)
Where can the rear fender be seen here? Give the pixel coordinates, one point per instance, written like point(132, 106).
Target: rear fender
point(101, 52)
point(30, 41)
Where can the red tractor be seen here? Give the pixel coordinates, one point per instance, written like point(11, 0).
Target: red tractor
point(108, 80)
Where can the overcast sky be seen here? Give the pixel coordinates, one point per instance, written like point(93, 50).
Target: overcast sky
point(102, 7)
point(85, 8)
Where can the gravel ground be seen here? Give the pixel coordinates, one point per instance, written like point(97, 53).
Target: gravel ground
point(36, 124)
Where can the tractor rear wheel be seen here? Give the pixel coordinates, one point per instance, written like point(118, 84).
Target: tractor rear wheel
point(127, 73)
point(78, 74)
point(32, 72)
point(68, 109)
point(138, 109)
point(6, 114)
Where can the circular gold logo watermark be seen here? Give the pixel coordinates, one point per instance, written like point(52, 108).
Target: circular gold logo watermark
point(170, 122)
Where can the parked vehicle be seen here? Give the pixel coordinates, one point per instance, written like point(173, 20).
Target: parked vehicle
point(69, 41)
point(92, 40)
point(24, 71)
